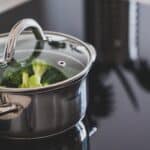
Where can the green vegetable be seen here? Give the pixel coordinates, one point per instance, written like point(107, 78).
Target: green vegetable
point(52, 75)
point(33, 74)
point(12, 75)
point(25, 80)
point(39, 68)
point(34, 81)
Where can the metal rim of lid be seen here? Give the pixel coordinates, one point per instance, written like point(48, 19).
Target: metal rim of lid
point(61, 84)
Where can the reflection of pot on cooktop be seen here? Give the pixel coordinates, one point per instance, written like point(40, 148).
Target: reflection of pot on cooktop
point(100, 95)
point(101, 92)
point(74, 139)
point(140, 69)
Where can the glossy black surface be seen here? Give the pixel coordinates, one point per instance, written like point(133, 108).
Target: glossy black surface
point(74, 139)
point(119, 107)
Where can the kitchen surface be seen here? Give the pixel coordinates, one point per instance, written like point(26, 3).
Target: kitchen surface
point(118, 93)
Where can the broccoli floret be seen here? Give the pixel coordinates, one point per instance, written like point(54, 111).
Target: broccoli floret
point(34, 81)
point(25, 80)
point(34, 74)
point(52, 75)
point(12, 76)
point(39, 68)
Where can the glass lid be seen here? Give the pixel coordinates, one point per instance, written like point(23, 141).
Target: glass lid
point(49, 59)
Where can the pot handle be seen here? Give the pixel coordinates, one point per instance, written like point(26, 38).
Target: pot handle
point(16, 30)
point(5, 106)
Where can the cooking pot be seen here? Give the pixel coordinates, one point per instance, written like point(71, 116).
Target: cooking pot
point(44, 111)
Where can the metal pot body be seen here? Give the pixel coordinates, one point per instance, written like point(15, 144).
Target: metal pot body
point(48, 110)
point(43, 114)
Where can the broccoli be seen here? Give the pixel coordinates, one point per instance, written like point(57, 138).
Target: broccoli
point(12, 75)
point(11, 78)
point(44, 74)
point(39, 68)
point(52, 75)
point(34, 74)
point(25, 80)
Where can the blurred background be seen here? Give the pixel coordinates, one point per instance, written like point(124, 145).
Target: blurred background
point(119, 29)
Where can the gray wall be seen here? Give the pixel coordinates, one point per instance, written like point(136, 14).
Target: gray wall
point(65, 16)
point(28, 10)
point(144, 32)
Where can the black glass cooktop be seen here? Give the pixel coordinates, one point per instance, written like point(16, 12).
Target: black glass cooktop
point(118, 115)
point(121, 106)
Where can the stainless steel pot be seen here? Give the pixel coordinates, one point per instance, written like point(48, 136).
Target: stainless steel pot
point(46, 111)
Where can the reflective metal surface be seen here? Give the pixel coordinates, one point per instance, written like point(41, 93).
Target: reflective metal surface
point(16, 30)
point(44, 114)
point(75, 139)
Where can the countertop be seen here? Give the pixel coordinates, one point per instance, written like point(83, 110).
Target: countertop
point(122, 114)
point(118, 115)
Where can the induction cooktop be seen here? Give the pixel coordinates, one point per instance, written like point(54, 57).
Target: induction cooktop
point(117, 117)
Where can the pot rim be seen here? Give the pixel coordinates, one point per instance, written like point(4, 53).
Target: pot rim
point(61, 84)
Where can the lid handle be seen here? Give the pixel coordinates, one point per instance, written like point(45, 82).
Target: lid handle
point(16, 30)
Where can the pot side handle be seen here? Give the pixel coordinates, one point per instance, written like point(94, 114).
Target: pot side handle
point(7, 107)
point(16, 30)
